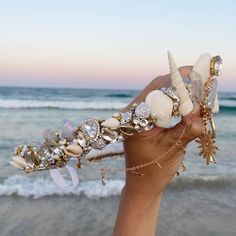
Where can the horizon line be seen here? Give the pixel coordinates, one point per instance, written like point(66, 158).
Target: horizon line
point(87, 88)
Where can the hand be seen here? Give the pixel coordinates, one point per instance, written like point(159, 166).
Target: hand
point(141, 196)
point(147, 146)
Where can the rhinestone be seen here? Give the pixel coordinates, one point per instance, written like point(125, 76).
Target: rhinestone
point(98, 144)
point(109, 135)
point(90, 128)
point(126, 117)
point(142, 110)
point(81, 142)
point(136, 121)
point(218, 65)
point(143, 123)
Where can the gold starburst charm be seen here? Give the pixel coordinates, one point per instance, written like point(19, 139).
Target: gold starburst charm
point(207, 146)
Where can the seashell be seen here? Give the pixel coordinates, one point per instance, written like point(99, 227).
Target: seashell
point(109, 135)
point(161, 106)
point(73, 150)
point(202, 67)
point(127, 129)
point(13, 163)
point(112, 123)
point(20, 161)
point(186, 105)
point(199, 75)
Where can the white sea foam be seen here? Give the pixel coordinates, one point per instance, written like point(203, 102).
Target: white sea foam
point(26, 186)
point(78, 105)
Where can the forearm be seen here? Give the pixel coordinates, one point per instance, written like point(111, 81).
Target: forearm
point(137, 214)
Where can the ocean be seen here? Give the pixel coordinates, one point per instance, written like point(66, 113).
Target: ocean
point(202, 201)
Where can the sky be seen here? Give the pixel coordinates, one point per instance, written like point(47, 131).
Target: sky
point(111, 44)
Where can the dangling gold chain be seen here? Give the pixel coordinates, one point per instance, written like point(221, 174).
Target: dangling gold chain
point(157, 161)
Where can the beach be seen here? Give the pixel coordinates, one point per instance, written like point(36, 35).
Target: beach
point(202, 201)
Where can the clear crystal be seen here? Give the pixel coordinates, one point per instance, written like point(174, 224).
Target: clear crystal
point(90, 128)
point(142, 111)
point(126, 117)
point(143, 123)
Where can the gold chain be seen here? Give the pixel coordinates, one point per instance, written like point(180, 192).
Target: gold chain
point(156, 161)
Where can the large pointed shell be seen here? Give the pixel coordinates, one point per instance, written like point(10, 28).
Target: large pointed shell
point(112, 123)
point(186, 105)
point(20, 161)
point(161, 106)
point(73, 150)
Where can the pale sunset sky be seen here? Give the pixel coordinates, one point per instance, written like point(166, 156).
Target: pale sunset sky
point(111, 44)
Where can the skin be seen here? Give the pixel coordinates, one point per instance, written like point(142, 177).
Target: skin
point(141, 196)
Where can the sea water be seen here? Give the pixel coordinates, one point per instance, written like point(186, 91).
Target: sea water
point(26, 112)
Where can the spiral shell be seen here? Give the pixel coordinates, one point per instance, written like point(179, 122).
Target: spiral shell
point(161, 106)
point(186, 105)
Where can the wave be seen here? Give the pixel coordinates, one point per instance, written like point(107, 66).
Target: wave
point(119, 95)
point(77, 105)
point(42, 186)
point(39, 187)
point(105, 104)
point(228, 98)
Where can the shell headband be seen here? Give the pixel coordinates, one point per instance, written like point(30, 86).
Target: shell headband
point(96, 134)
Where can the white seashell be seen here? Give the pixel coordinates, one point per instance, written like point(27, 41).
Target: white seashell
point(202, 67)
point(73, 150)
point(186, 105)
point(199, 75)
point(161, 106)
point(13, 163)
point(20, 161)
point(112, 123)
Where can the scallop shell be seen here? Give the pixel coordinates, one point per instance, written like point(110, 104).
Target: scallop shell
point(13, 163)
point(186, 105)
point(73, 150)
point(112, 123)
point(20, 161)
point(161, 106)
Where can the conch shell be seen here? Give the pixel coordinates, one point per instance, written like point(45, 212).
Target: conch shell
point(199, 75)
point(161, 106)
point(73, 150)
point(112, 123)
point(186, 105)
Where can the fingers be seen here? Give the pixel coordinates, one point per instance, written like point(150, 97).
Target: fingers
point(190, 127)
